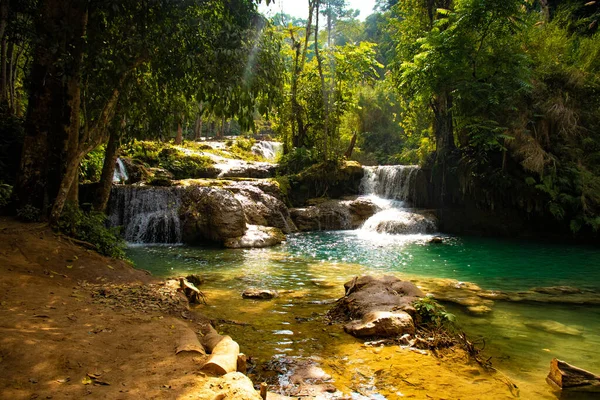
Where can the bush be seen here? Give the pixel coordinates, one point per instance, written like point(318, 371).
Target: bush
point(90, 169)
point(29, 213)
point(184, 166)
point(146, 152)
point(5, 193)
point(432, 313)
point(91, 227)
point(297, 160)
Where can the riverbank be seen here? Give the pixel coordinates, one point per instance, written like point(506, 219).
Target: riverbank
point(59, 339)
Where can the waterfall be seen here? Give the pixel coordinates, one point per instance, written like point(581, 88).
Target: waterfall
point(268, 150)
point(120, 174)
point(148, 214)
point(391, 188)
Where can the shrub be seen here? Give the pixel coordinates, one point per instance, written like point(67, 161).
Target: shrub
point(91, 227)
point(432, 313)
point(5, 193)
point(147, 152)
point(184, 166)
point(29, 213)
point(297, 160)
point(90, 169)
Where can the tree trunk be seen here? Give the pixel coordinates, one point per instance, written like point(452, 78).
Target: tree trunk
point(198, 126)
point(108, 171)
point(443, 126)
point(52, 112)
point(350, 150)
point(179, 137)
point(324, 91)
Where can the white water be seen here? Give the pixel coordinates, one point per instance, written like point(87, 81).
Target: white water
point(390, 188)
point(148, 214)
point(268, 150)
point(120, 173)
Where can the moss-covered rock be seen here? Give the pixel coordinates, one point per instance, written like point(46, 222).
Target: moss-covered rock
point(329, 179)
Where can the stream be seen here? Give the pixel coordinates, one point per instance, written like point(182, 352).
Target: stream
point(311, 268)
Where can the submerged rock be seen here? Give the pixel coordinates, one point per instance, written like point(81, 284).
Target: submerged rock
point(262, 294)
point(554, 327)
point(256, 237)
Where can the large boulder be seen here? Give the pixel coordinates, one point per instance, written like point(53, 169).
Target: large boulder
point(380, 307)
point(322, 215)
point(209, 213)
point(261, 206)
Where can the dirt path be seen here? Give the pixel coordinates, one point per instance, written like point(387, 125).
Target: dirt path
point(61, 337)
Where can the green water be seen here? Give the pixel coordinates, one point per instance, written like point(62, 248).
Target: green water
point(311, 269)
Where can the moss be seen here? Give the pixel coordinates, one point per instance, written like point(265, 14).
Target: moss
point(184, 166)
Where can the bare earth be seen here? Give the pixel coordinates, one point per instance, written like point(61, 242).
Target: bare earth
point(59, 342)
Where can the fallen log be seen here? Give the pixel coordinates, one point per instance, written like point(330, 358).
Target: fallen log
point(211, 339)
point(188, 341)
point(564, 376)
point(224, 357)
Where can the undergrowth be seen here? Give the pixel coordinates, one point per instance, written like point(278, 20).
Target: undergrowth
point(91, 227)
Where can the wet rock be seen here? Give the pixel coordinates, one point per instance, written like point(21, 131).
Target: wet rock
point(260, 294)
point(479, 310)
point(554, 327)
point(333, 214)
point(569, 378)
point(135, 172)
point(263, 207)
point(436, 240)
point(557, 290)
point(377, 306)
point(211, 214)
point(382, 324)
point(249, 170)
point(465, 294)
point(256, 237)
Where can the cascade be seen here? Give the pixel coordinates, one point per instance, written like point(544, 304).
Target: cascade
point(148, 214)
point(391, 188)
point(268, 150)
point(120, 174)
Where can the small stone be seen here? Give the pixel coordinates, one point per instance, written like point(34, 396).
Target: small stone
point(260, 294)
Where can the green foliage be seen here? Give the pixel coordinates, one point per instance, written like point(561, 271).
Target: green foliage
point(91, 227)
point(296, 161)
point(29, 213)
point(431, 312)
point(5, 193)
point(145, 151)
point(183, 165)
point(90, 169)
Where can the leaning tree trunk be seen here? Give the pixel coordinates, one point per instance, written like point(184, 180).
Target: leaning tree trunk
point(108, 171)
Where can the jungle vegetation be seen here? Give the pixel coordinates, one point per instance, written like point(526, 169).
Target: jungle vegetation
point(500, 100)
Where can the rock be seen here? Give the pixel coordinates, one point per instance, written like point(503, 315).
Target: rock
point(135, 172)
point(211, 213)
point(260, 294)
point(557, 290)
point(567, 377)
point(256, 237)
point(249, 170)
point(554, 327)
point(234, 385)
point(333, 214)
point(377, 306)
point(479, 310)
point(263, 207)
point(436, 240)
point(382, 324)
